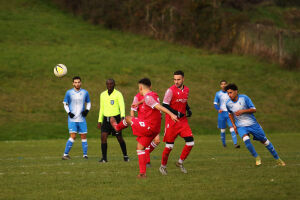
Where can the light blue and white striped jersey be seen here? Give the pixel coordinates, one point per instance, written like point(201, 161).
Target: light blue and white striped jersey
point(220, 99)
point(243, 102)
point(76, 101)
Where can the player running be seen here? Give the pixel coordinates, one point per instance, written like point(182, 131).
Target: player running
point(137, 106)
point(241, 111)
point(175, 100)
point(147, 125)
point(220, 105)
point(74, 104)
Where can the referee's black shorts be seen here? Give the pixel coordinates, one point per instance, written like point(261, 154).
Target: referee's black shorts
point(107, 128)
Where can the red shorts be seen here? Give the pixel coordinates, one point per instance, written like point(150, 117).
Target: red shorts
point(142, 130)
point(172, 130)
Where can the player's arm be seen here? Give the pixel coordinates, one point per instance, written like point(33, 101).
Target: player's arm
point(134, 106)
point(250, 105)
point(188, 110)
point(66, 104)
point(217, 103)
point(249, 111)
point(167, 101)
point(88, 105)
point(165, 110)
point(101, 115)
point(233, 123)
point(121, 104)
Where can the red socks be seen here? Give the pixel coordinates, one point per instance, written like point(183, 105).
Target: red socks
point(165, 156)
point(121, 125)
point(142, 161)
point(185, 152)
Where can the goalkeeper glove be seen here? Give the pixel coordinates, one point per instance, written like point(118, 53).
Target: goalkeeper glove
point(71, 114)
point(84, 113)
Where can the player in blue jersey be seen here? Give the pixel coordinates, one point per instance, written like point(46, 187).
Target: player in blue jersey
point(220, 105)
point(241, 111)
point(77, 104)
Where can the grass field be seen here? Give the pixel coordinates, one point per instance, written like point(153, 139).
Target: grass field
point(34, 170)
point(35, 36)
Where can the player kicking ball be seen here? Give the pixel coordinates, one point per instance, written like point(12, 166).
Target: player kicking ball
point(175, 100)
point(147, 125)
point(241, 111)
point(74, 103)
point(137, 106)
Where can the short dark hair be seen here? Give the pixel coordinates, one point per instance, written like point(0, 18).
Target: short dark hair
point(179, 72)
point(145, 81)
point(111, 79)
point(76, 77)
point(223, 81)
point(231, 86)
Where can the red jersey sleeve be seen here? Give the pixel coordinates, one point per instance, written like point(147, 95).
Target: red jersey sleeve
point(135, 101)
point(168, 97)
point(150, 101)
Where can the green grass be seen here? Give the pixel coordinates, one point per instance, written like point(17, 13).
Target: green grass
point(34, 170)
point(35, 36)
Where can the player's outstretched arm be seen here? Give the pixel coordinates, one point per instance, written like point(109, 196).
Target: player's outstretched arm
point(165, 110)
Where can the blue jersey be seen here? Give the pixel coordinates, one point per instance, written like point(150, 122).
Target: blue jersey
point(243, 102)
point(76, 101)
point(220, 99)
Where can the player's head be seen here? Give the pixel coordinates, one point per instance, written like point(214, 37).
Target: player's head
point(178, 78)
point(144, 84)
point(110, 84)
point(232, 91)
point(77, 82)
point(223, 84)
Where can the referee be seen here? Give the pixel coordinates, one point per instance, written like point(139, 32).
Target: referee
point(111, 105)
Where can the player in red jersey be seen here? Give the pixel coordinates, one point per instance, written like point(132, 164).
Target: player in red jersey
point(175, 100)
point(147, 125)
point(136, 106)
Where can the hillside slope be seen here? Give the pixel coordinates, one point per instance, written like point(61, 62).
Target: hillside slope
point(35, 36)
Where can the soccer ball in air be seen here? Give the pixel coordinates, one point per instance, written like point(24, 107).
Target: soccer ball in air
point(60, 70)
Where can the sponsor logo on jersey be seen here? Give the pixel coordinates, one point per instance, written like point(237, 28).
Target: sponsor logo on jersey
point(112, 102)
point(181, 100)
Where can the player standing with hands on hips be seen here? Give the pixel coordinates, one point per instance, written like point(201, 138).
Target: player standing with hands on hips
point(175, 100)
point(74, 104)
point(111, 105)
point(241, 111)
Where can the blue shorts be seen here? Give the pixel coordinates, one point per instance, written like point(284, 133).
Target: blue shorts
point(77, 127)
point(255, 129)
point(223, 118)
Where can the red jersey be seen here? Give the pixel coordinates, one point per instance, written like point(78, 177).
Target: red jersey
point(177, 99)
point(137, 98)
point(148, 113)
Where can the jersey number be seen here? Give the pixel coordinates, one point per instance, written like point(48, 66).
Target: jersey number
point(142, 124)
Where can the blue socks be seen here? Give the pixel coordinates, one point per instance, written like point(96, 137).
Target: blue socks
point(271, 148)
point(69, 146)
point(84, 146)
point(234, 139)
point(223, 138)
point(250, 147)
